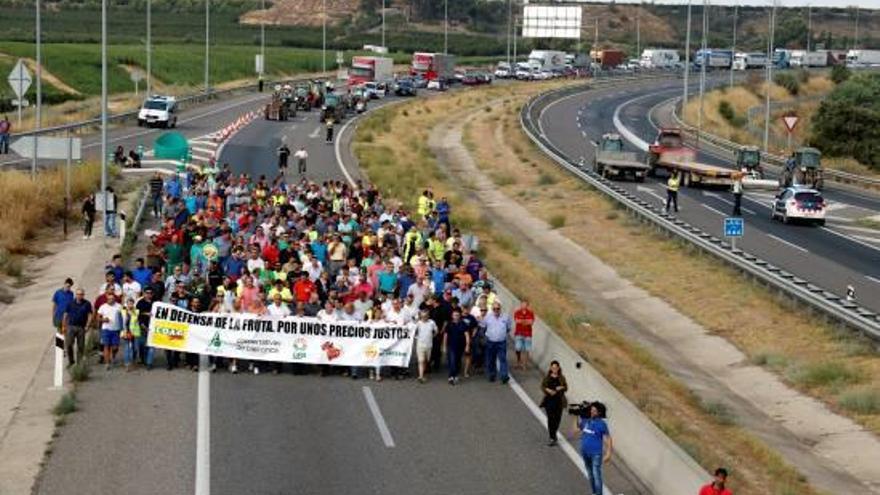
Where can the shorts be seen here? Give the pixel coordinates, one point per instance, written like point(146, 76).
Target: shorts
point(522, 343)
point(110, 337)
point(423, 353)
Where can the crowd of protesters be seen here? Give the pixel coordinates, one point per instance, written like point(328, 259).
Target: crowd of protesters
point(273, 246)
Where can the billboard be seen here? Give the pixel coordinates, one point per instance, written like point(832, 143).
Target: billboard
point(540, 21)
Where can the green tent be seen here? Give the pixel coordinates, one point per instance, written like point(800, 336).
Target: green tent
point(171, 146)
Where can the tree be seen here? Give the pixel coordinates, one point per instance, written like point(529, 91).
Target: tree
point(848, 120)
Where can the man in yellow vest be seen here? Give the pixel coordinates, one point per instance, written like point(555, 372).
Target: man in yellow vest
point(672, 186)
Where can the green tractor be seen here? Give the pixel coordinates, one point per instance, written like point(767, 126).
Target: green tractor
point(803, 167)
point(334, 108)
point(748, 159)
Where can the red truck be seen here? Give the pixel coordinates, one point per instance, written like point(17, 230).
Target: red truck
point(669, 153)
point(370, 69)
point(433, 66)
point(608, 59)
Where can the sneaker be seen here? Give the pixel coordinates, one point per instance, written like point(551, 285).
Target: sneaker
point(256, 370)
point(195, 368)
point(455, 380)
point(505, 380)
point(421, 379)
point(213, 368)
point(551, 443)
point(451, 380)
point(233, 369)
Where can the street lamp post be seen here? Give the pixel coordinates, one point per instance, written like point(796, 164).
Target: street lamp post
point(149, 47)
point(771, 33)
point(810, 26)
point(324, 36)
point(704, 61)
point(104, 109)
point(509, 16)
point(383, 23)
point(207, 46)
point(638, 34)
point(733, 46)
point(856, 36)
point(687, 60)
point(263, 40)
point(445, 27)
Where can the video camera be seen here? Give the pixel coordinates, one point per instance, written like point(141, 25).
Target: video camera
point(582, 409)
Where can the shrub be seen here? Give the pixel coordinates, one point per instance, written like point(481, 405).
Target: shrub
point(839, 74)
point(789, 82)
point(726, 111)
point(861, 401)
point(557, 221)
point(66, 405)
point(545, 179)
point(80, 372)
point(823, 374)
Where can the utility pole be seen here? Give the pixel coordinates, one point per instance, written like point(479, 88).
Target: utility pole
point(324, 36)
point(856, 36)
point(104, 109)
point(704, 61)
point(771, 33)
point(810, 26)
point(596, 34)
point(38, 123)
point(149, 47)
point(445, 27)
point(207, 46)
point(509, 20)
point(515, 20)
point(383, 23)
point(733, 47)
point(263, 40)
point(687, 61)
point(638, 33)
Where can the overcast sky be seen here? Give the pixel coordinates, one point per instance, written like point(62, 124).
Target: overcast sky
point(865, 4)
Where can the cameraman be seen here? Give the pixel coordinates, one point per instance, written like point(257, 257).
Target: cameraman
point(595, 443)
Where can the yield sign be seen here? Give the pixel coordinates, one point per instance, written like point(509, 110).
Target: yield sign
point(20, 79)
point(790, 121)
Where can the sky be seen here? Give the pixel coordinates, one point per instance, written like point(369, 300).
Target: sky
point(865, 4)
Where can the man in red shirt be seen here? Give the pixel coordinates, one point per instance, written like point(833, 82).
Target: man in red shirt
point(522, 334)
point(303, 288)
point(716, 487)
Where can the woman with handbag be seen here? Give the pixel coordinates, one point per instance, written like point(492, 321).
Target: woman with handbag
point(554, 387)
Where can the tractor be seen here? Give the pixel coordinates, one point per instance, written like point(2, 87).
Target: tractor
point(803, 167)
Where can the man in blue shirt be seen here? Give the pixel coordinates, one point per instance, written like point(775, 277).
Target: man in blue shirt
point(497, 326)
point(60, 300)
point(77, 317)
point(595, 443)
point(142, 274)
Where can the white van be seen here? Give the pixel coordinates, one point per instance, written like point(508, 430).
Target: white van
point(158, 110)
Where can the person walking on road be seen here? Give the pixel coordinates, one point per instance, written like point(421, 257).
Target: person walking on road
point(737, 195)
point(497, 326)
point(554, 387)
point(456, 342)
point(110, 315)
point(60, 299)
point(88, 213)
point(5, 131)
point(301, 156)
point(157, 185)
point(283, 155)
point(717, 486)
point(77, 318)
point(595, 443)
point(522, 334)
point(110, 213)
point(672, 186)
point(426, 329)
point(329, 125)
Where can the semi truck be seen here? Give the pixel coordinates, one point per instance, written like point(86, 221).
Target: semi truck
point(668, 153)
point(743, 61)
point(608, 59)
point(433, 66)
point(862, 58)
point(547, 60)
point(802, 58)
point(781, 58)
point(714, 59)
point(611, 161)
point(654, 58)
point(367, 68)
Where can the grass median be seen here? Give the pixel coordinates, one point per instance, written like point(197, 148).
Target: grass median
point(392, 146)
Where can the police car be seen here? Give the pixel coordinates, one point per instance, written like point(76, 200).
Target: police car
point(799, 203)
point(158, 110)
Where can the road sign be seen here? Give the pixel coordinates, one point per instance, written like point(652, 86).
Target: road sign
point(22, 103)
point(258, 64)
point(48, 148)
point(790, 121)
point(340, 58)
point(733, 227)
point(20, 79)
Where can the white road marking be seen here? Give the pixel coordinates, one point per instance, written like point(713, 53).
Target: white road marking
point(583, 133)
point(377, 417)
point(627, 134)
point(872, 279)
point(713, 209)
point(850, 238)
point(203, 429)
point(648, 190)
point(564, 444)
point(789, 244)
point(315, 133)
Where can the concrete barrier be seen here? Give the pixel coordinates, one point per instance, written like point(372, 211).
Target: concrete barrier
point(652, 456)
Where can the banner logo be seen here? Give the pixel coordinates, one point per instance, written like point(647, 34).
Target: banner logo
point(299, 348)
point(332, 351)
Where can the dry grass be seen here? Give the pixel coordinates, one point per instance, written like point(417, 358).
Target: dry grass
point(388, 160)
point(746, 314)
point(28, 205)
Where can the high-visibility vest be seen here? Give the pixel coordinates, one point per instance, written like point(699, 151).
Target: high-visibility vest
point(672, 183)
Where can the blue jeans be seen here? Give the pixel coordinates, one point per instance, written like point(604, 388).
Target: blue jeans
point(157, 204)
point(129, 348)
point(110, 224)
point(144, 352)
point(496, 356)
point(593, 464)
point(453, 359)
point(4, 143)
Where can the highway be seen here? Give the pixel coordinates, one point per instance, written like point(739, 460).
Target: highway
point(832, 257)
point(284, 434)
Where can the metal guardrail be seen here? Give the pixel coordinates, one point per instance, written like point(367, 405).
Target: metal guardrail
point(821, 300)
point(774, 163)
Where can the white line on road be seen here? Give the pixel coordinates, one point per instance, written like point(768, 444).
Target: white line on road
point(315, 133)
point(377, 416)
point(850, 238)
point(713, 209)
point(872, 279)
point(789, 244)
point(203, 429)
point(572, 454)
point(648, 190)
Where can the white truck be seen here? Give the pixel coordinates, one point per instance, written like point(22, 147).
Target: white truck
point(743, 61)
point(654, 58)
point(158, 110)
point(863, 58)
point(802, 58)
point(548, 60)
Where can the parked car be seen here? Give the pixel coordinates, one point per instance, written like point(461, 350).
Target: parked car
point(502, 73)
point(374, 90)
point(524, 74)
point(484, 77)
point(799, 203)
point(470, 79)
point(437, 85)
point(404, 87)
point(420, 82)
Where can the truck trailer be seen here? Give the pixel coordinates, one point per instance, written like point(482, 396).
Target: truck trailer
point(668, 153)
point(863, 58)
point(433, 66)
point(654, 58)
point(608, 59)
point(367, 68)
point(547, 60)
point(802, 58)
point(744, 61)
point(714, 59)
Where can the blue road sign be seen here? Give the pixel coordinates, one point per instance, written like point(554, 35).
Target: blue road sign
point(733, 227)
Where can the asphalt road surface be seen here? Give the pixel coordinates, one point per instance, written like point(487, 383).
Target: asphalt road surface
point(136, 432)
point(832, 257)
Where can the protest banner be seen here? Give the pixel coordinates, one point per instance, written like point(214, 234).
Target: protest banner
point(291, 339)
